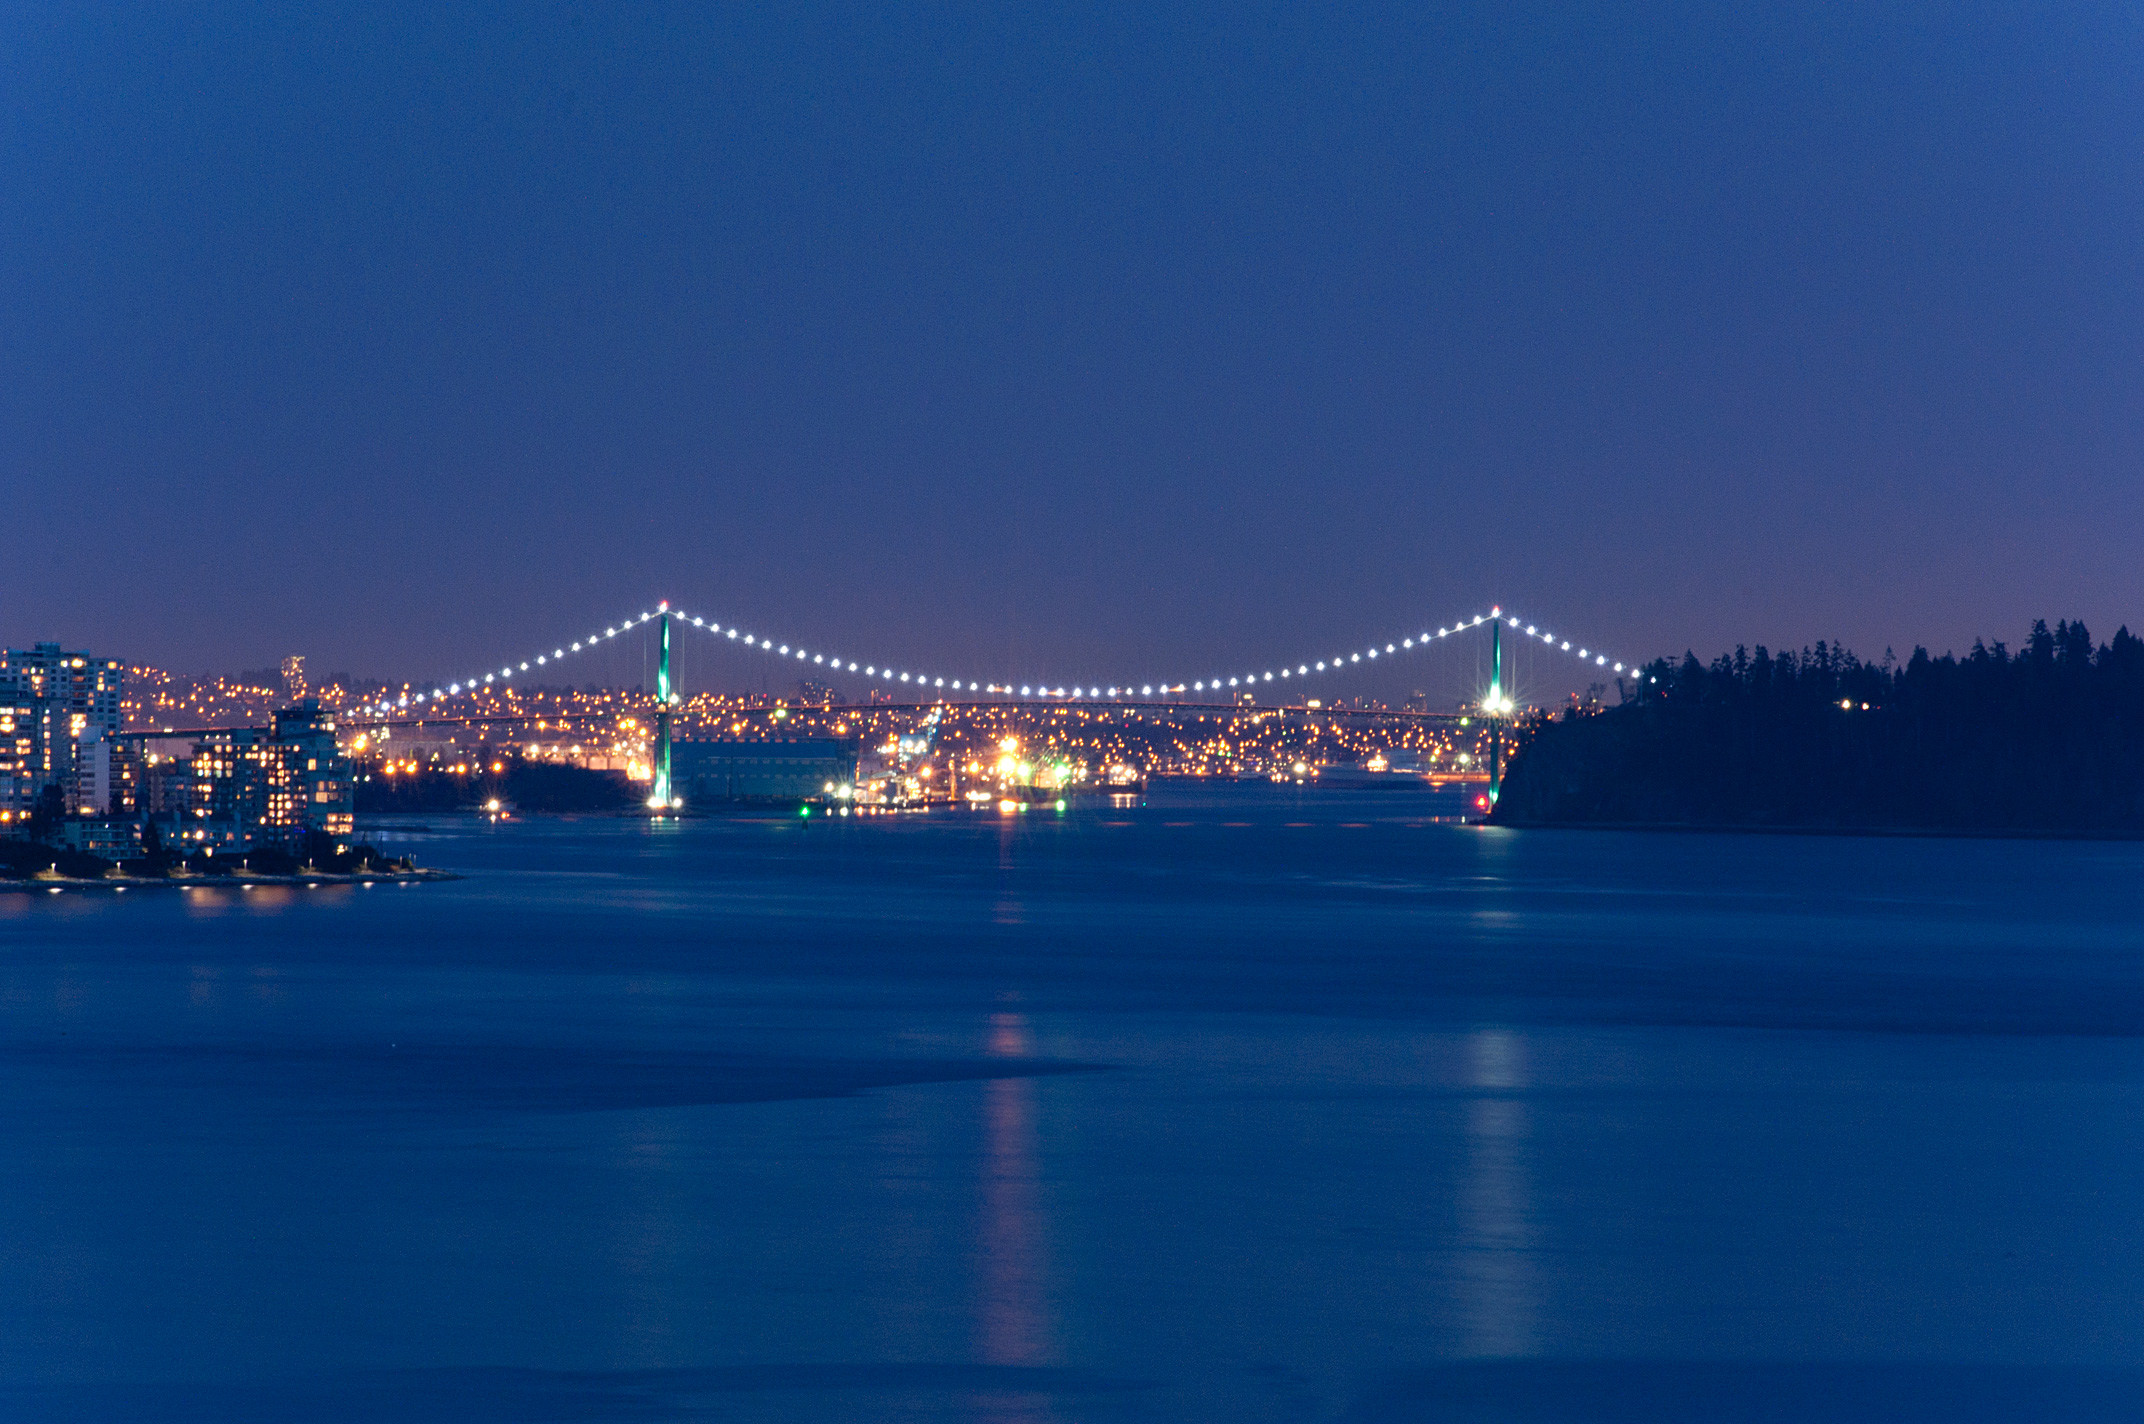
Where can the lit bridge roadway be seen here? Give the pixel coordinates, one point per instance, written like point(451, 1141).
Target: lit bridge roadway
point(1155, 711)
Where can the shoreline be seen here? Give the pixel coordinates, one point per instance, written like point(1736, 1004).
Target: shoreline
point(1968, 833)
point(51, 884)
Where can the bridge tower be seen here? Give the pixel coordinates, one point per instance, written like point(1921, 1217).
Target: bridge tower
point(659, 796)
point(1494, 705)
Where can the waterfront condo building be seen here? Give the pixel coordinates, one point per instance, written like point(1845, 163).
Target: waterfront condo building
point(319, 791)
point(60, 720)
point(253, 786)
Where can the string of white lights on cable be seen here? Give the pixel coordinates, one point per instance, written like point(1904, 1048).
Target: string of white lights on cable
point(928, 684)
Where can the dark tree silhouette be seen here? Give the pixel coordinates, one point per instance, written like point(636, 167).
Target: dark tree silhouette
point(2051, 739)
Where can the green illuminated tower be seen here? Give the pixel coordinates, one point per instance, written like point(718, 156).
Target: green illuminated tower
point(1495, 704)
point(659, 794)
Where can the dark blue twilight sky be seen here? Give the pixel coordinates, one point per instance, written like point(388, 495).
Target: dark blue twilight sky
point(1112, 343)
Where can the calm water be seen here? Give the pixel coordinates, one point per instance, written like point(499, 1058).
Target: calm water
point(1236, 1106)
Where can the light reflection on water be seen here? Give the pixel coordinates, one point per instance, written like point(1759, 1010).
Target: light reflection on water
point(1012, 1298)
point(1495, 1230)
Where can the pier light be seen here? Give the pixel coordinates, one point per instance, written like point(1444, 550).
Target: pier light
point(1407, 642)
point(1357, 658)
point(1373, 654)
point(1146, 692)
point(1284, 672)
point(733, 632)
point(1321, 667)
point(785, 649)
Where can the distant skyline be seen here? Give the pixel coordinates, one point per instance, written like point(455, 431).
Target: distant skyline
point(1115, 342)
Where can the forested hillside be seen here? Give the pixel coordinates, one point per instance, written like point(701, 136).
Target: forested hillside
point(2050, 738)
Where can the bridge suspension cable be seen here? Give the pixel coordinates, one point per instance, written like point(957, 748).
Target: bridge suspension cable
point(888, 675)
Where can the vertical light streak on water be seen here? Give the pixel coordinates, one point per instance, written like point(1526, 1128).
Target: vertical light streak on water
point(1013, 1324)
point(1497, 1305)
point(647, 1237)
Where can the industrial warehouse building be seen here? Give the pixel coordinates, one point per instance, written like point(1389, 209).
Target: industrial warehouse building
point(701, 772)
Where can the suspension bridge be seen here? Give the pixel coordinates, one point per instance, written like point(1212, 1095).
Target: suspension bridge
point(433, 703)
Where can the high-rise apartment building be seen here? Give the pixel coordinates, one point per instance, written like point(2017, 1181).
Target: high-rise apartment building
point(232, 773)
point(318, 792)
point(254, 786)
point(60, 720)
